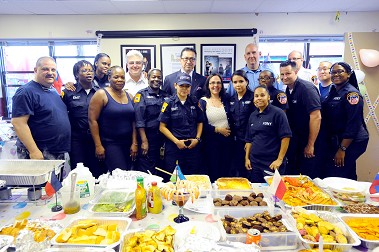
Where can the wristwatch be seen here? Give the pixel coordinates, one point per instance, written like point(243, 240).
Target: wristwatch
point(198, 139)
point(343, 148)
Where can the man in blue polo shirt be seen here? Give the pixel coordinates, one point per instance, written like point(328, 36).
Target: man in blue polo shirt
point(40, 117)
point(252, 69)
point(304, 117)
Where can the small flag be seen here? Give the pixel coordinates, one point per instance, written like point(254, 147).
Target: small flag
point(53, 184)
point(58, 83)
point(177, 173)
point(374, 188)
point(277, 187)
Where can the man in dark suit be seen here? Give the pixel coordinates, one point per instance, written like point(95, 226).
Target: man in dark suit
point(188, 62)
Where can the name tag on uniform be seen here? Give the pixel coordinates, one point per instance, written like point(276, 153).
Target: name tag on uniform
point(174, 108)
point(193, 107)
point(76, 97)
point(337, 98)
point(247, 102)
point(232, 103)
point(267, 123)
point(149, 96)
point(294, 101)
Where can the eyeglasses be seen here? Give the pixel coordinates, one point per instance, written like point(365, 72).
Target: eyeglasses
point(189, 59)
point(215, 83)
point(337, 72)
point(294, 59)
point(325, 69)
point(265, 78)
point(86, 71)
point(138, 63)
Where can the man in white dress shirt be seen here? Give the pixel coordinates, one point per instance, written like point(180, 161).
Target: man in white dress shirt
point(302, 73)
point(135, 79)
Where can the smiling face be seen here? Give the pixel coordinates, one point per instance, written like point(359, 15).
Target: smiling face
point(339, 74)
point(103, 65)
point(261, 98)
point(155, 79)
point(45, 71)
point(288, 75)
point(215, 85)
point(252, 55)
point(135, 65)
point(188, 61)
point(323, 72)
point(117, 78)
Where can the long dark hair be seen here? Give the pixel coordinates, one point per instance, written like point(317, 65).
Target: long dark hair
point(208, 91)
point(353, 78)
point(243, 74)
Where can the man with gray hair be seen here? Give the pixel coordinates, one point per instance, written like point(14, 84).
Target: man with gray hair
point(40, 117)
point(135, 79)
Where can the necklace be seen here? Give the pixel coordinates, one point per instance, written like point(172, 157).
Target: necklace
point(216, 102)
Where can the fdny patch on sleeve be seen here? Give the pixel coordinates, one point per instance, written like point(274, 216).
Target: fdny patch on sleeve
point(164, 106)
point(353, 98)
point(137, 98)
point(282, 98)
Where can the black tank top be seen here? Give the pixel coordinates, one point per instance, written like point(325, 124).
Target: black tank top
point(115, 121)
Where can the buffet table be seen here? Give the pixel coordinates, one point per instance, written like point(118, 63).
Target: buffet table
point(20, 208)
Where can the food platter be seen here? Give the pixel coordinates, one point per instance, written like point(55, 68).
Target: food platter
point(112, 202)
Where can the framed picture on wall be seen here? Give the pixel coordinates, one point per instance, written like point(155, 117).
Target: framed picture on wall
point(148, 52)
point(218, 58)
point(170, 57)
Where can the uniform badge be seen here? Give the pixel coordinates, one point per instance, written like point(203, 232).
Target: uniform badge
point(282, 98)
point(198, 104)
point(164, 106)
point(137, 98)
point(62, 94)
point(353, 98)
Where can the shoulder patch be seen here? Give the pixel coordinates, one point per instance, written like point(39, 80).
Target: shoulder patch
point(282, 98)
point(137, 98)
point(198, 104)
point(62, 93)
point(353, 98)
point(164, 106)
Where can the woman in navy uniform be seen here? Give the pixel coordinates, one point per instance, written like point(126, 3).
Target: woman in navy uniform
point(216, 136)
point(241, 106)
point(181, 121)
point(342, 114)
point(77, 102)
point(147, 104)
point(102, 63)
point(267, 137)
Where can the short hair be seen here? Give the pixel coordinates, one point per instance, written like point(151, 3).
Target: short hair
point(113, 68)
point(241, 73)
point(353, 78)
point(98, 57)
point(262, 86)
point(208, 91)
point(269, 71)
point(133, 53)
point(39, 60)
point(151, 71)
point(288, 63)
point(188, 49)
point(78, 65)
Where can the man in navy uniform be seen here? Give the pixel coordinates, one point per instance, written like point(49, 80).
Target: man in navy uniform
point(188, 62)
point(304, 117)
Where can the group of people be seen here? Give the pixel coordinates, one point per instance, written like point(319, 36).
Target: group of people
point(111, 119)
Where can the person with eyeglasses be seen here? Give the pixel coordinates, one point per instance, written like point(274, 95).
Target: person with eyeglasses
point(325, 80)
point(147, 104)
point(77, 102)
point(181, 122)
point(135, 79)
point(277, 98)
point(217, 137)
point(342, 114)
point(252, 68)
point(40, 117)
point(304, 117)
point(188, 61)
point(302, 72)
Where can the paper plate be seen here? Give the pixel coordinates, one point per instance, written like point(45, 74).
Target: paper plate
point(344, 185)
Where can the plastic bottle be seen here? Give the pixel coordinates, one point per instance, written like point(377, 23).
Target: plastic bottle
point(140, 195)
point(154, 199)
point(85, 183)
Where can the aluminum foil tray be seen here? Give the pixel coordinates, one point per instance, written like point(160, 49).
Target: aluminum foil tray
point(26, 172)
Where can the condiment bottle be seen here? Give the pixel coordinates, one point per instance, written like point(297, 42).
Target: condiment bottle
point(140, 195)
point(154, 199)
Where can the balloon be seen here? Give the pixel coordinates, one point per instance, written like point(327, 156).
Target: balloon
point(362, 89)
point(369, 57)
point(360, 75)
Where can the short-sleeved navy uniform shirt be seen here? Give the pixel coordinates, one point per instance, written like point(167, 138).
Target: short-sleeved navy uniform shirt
point(147, 105)
point(240, 111)
point(265, 131)
point(103, 82)
point(342, 111)
point(77, 103)
point(48, 121)
point(181, 119)
point(278, 98)
point(303, 100)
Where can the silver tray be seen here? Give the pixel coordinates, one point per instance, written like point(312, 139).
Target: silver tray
point(21, 172)
point(316, 207)
point(365, 243)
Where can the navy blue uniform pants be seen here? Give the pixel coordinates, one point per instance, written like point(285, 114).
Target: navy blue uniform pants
point(237, 167)
point(349, 170)
point(152, 159)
